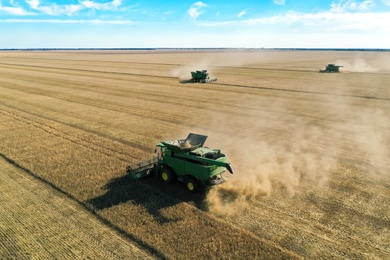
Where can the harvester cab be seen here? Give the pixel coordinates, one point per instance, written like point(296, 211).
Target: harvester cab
point(331, 68)
point(186, 160)
point(201, 76)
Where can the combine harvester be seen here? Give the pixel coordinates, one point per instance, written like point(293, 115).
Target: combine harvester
point(185, 160)
point(331, 68)
point(201, 76)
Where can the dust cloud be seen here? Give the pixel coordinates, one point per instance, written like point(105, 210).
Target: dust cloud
point(371, 136)
point(184, 72)
point(305, 158)
point(265, 168)
point(357, 65)
point(372, 64)
point(213, 61)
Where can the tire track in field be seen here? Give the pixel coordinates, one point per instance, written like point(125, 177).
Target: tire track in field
point(347, 220)
point(98, 61)
point(299, 234)
point(39, 221)
point(130, 78)
point(104, 72)
point(221, 84)
point(96, 104)
point(136, 145)
point(116, 108)
point(304, 92)
point(154, 97)
point(89, 144)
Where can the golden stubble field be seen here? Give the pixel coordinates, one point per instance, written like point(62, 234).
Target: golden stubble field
point(310, 150)
point(39, 222)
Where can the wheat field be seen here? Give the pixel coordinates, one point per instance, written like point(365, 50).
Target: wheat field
point(310, 152)
point(39, 222)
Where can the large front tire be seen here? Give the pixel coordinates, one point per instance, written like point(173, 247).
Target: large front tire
point(166, 175)
point(192, 184)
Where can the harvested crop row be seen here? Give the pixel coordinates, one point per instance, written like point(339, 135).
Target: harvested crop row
point(38, 222)
point(315, 226)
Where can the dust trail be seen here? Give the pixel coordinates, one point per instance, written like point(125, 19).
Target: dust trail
point(212, 62)
point(184, 72)
point(305, 156)
point(357, 65)
point(265, 168)
point(370, 63)
point(370, 132)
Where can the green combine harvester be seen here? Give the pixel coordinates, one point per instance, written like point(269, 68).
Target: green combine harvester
point(185, 160)
point(201, 76)
point(331, 68)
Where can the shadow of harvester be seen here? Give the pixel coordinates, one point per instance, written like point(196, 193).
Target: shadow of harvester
point(149, 193)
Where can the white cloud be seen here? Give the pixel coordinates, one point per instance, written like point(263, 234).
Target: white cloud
point(365, 5)
point(345, 5)
point(96, 21)
point(33, 3)
point(386, 2)
point(279, 2)
point(107, 6)
point(242, 13)
point(324, 21)
point(55, 9)
point(13, 10)
point(194, 11)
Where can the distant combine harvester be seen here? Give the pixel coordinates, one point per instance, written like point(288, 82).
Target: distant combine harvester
point(331, 68)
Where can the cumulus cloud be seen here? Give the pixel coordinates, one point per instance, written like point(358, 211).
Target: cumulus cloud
point(195, 10)
point(279, 2)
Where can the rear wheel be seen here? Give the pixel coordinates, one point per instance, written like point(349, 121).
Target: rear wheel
point(166, 175)
point(192, 185)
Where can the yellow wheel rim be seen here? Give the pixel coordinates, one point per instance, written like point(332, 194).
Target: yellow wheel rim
point(164, 176)
point(190, 186)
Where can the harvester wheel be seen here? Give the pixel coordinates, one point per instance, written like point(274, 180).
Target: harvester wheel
point(166, 175)
point(192, 184)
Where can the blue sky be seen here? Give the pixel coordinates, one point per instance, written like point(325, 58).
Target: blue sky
point(181, 24)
